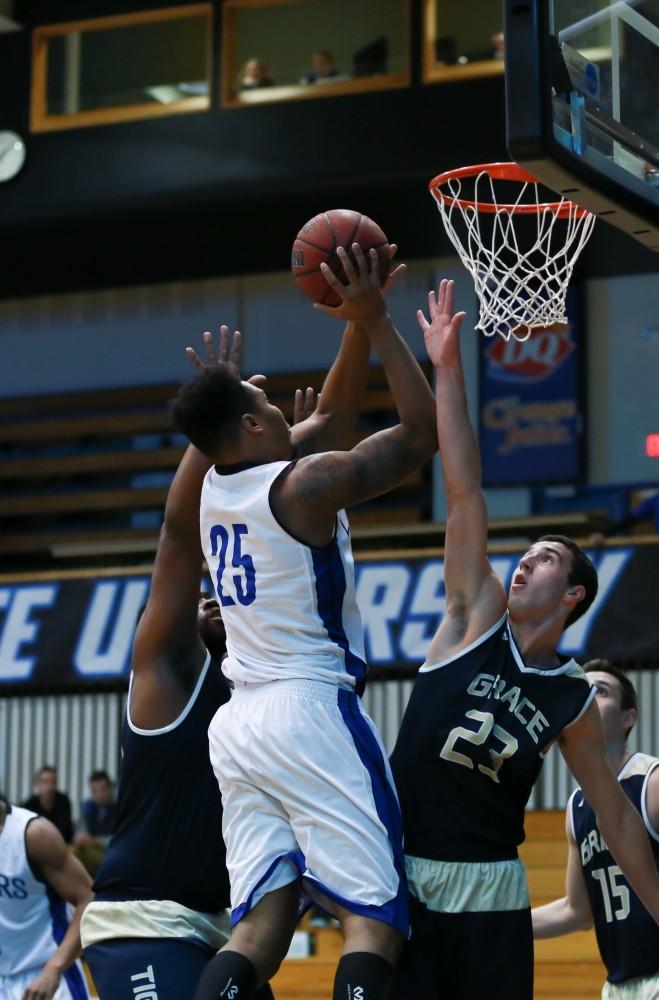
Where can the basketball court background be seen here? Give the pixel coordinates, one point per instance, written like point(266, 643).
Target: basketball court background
point(136, 212)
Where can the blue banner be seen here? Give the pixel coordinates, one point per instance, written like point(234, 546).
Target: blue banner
point(530, 406)
point(77, 632)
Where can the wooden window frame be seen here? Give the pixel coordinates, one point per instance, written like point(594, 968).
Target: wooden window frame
point(42, 121)
point(297, 92)
point(434, 72)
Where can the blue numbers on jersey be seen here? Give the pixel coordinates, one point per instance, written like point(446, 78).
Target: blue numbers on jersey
point(245, 583)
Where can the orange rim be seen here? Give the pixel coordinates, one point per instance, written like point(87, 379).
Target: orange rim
point(500, 172)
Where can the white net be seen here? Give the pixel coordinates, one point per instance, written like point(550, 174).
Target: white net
point(521, 255)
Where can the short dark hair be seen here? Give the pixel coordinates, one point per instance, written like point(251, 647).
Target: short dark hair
point(46, 769)
point(582, 573)
point(628, 696)
point(208, 408)
point(100, 776)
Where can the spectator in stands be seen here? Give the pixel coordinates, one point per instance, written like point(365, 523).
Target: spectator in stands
point(48, 801)
point(596, 890)
point(254, 74)
point(322, 68)
point(645, 511)
point(99, 815)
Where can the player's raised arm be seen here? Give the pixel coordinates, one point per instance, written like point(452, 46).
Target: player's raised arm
point(475, 598)
point(583, 747)
point(50, 857)
point(334, 421)
point(572, 912)
point(167, 645)
point(320, 485)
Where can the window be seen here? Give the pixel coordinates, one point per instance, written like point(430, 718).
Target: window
point(113, 69)
point(462, 40)
point(278, 50)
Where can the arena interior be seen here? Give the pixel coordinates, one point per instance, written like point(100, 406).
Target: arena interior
point(151, 186)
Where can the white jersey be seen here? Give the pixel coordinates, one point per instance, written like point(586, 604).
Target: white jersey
point(33, 918)
point(289, 609)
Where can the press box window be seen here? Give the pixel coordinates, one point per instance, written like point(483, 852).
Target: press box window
point(112, 69)
point(462, 40)
point(281, 50)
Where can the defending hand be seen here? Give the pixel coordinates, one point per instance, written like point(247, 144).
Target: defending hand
point(442, 333)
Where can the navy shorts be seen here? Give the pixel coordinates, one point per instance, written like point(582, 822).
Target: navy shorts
point(464, 956)
point(125, 968)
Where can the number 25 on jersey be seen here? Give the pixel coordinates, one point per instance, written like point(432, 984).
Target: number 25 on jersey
point(244, 581)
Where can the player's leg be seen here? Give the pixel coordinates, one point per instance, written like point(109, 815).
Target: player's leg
point(487, 964)
point(369, 957)
point(428, 958)
point(258, 945)
point(169, 968)
point(467, 913)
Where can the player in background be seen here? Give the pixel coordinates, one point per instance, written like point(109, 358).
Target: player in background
point(308, 799)
point(39, 940)
point(159, 915)
point(490, 699)
point(596, 891)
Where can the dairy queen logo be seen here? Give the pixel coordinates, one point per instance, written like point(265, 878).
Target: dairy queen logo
point(529, 360)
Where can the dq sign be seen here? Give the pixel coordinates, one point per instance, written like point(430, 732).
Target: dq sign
point(529, 360)
point(530, 416)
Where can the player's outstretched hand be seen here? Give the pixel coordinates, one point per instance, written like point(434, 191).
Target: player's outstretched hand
point(361, 299)
point(229, 353)
point(304, 404)
point(442, 332)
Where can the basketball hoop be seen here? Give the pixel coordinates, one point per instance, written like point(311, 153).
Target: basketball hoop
point(521, 270)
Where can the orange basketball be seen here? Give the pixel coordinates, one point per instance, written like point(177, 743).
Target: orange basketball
point(318, 241)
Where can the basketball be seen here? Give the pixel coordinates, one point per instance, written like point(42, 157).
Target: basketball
point(318, 241)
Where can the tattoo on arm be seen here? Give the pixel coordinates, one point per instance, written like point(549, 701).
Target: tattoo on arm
point(372, 468)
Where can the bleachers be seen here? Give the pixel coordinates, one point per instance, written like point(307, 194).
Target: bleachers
point(85, 476)
point(88, 472)
point(567, 968)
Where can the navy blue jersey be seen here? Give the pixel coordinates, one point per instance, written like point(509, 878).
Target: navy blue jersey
point(627, 936)
point(168, 841)
point(471, 743)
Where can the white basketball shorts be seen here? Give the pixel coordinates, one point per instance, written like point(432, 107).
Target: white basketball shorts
point(307, 792)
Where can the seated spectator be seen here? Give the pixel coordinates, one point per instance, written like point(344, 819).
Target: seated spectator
point(48, 801)
point(254, 74)
point(99, 815)
point(322, 68)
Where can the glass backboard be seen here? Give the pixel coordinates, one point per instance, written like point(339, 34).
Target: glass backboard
point(582, 95)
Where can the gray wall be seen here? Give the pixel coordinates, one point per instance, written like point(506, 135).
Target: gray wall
point(79, 733)
point(136, 336)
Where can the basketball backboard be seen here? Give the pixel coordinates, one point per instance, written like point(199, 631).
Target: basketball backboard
point(582, 100)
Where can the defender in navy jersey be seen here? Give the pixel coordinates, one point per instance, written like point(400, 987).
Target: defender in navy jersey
point(159, 915)
point(309, 803)
point(491, 698)
point(597, 892)
point(43, 891)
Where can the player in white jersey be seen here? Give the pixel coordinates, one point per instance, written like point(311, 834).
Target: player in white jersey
point(309, 803)
point(39, 943)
